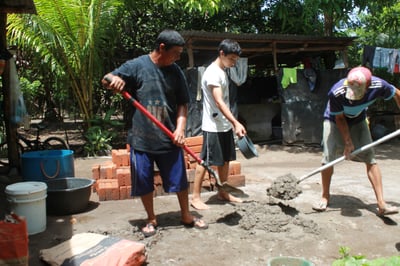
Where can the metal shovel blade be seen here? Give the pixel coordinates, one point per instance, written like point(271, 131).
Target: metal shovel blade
point(223, 186)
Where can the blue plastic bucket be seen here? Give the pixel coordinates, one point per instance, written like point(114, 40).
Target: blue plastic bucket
point(47, 164)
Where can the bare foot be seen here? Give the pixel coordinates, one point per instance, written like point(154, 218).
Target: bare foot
point(199, 204)
point(222, 195)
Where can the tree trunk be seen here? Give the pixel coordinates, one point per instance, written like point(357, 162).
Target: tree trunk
point(328, 25)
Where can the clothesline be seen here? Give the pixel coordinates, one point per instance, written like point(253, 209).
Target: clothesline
point(379, 57)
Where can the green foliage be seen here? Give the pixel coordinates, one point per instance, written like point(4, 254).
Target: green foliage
point(65, 37)
point(98, 141)
point(360, 260)
point(100, 135)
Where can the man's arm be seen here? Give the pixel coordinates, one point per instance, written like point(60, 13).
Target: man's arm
point(181, 118)
point(397, 97)
point(345, 132)
point(219, 101)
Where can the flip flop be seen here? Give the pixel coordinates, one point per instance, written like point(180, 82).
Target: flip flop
point(387, 210)
point(152, 230)
point(196, 223)
point(320, 206)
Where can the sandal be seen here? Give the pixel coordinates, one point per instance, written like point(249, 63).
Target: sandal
point(196, 223)
point(152, 230)
point(387, 210)
point(320, 206)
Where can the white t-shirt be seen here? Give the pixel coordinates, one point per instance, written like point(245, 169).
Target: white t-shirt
point(213, 119)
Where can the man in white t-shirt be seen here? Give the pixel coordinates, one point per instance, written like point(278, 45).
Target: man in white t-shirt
point(218, 122)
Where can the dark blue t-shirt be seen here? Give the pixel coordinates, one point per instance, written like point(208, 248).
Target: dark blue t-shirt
point(355, 111)
point(160, 91)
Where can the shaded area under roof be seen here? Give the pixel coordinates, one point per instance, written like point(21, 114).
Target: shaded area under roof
point(269, 49)
point(17, 6)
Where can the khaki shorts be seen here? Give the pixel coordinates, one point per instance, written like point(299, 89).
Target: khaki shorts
point(333, 147)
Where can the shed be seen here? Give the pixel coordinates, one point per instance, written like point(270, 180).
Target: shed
point(269, 110)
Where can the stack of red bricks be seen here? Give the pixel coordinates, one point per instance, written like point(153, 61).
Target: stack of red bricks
point(113, 178)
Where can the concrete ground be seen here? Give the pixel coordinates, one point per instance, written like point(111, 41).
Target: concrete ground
point(259, 229)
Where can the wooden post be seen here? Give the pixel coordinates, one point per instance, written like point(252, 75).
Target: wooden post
point(189, 50)
point(11, 130)
point(275, 57)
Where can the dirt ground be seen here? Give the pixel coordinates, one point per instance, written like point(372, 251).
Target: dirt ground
point(261, 227)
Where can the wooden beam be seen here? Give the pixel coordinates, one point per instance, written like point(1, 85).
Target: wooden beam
point(273, 48)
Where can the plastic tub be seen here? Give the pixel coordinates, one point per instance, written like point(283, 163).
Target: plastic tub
point(68, 195)
point(47, 164)
point(28, 199)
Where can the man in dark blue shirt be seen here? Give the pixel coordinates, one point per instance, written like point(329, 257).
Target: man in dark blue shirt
point(157, 82)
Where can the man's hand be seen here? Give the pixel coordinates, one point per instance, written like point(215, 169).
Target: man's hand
point(348, 149)
point(113, 82)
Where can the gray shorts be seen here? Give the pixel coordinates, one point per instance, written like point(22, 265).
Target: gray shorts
point(333, 146)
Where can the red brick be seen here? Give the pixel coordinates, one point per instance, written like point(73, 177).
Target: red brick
point(194, 144)
point(107, 189)
point(190, 174)
point(128, 191)
point(236, 180)
point(107, 170)
point(96, 171)
point(234, 168)
point(157, 178)
point(123, 174)
point(194, 141)
point(120, 157)
point(123, 192)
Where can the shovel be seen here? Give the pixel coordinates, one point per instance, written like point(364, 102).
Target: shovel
point(286, 186)
point(223, 186)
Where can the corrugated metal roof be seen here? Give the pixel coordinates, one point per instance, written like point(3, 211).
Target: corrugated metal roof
point(266, 42)
point(288, 48)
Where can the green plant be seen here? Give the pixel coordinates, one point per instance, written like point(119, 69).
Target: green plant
point(360, 260)
point(97, 141)
point(100, 135)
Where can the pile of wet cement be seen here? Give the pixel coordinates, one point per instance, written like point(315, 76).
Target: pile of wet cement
point(275, 218)
point(284, 187)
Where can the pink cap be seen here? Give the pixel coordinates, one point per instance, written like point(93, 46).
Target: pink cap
point(358, 80)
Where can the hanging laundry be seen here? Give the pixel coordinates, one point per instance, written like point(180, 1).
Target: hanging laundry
point(382, 57)
point(368, 56)
point(238, 73)
point(289, 76)
point(311, 77)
